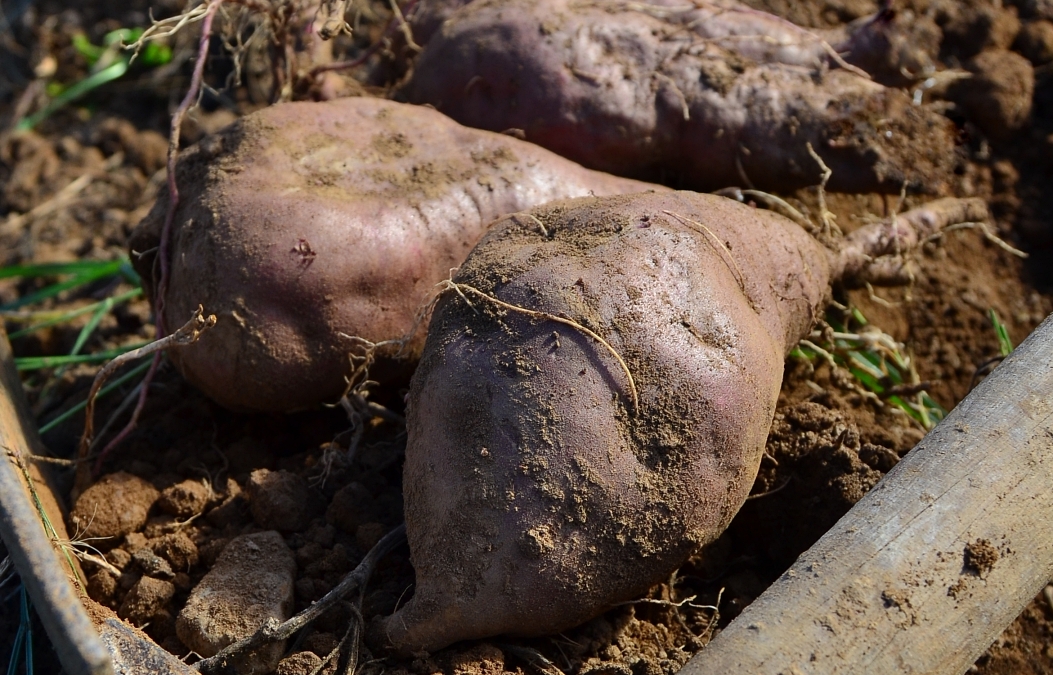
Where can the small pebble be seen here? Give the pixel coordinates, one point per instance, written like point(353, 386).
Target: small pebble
point(300, 663)
point(251, 582)
point(185, 499)
point(152, 565)
point(147, 597)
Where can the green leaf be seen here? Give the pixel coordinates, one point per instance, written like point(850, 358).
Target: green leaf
point(870, 382)
point(154, 54)
point(85, 48)
point(1005, 345)
point(129, 273)
point(75, 91)
point(909, 409)
point(103, 309)
point(869, 362)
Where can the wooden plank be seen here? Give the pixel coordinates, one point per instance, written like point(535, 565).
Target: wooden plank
point(930, 567)
point(28, 544)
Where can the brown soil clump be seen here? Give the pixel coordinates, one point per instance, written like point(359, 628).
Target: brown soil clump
point(116, 505)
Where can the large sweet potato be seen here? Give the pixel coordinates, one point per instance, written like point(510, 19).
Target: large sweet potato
point(708, 96)
point(893, 47)
point(550, 475)
point(307, 220)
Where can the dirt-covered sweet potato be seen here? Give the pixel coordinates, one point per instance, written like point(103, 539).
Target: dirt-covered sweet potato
point(707, 96)
point(594, 396)
point(895, 48)
point(307, 220)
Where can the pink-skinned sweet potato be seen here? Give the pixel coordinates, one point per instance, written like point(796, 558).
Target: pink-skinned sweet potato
point(307, 220)
point(706, 97)
point(895, 48)
point(549, 474)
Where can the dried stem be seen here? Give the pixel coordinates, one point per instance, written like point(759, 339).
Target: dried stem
point(393, 25)
point(173, 202)
point(173, 154)
point(722, 249)
point(769, 201)
point(460, 288)
point(273, 631)
point(407, 32)
point(988, 235)
point(186, 335)
point(825, 216)
point(331, 13)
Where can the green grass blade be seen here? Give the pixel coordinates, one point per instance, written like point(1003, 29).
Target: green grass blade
point(868, 362)
point(55, 269)
point(29, 632)
point(937, 410)
point(1005, 345)
point(51, 291)
point(103, 309)
point(69, 316)
point(73, 92)
point(131, 374)
point(38, 362)
point(20, 638)
point(913, 412)
point(86, 49)
point(130, 275)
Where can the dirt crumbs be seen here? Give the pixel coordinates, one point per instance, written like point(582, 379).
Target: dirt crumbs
point(980, 557)
point(1025, 648)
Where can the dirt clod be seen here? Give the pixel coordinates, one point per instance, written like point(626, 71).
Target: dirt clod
point(280, 500)
point(998, 97)
point(118, 504)
point(980, 557)
point(178, 549)
point(252, 581)
point(152, 564)
point(300, 663)
point(146, 599)
point(1036, 42)
point(102, 588)
point(970, 27)
point(185, 499)
point(352, 506)
point(368, 534)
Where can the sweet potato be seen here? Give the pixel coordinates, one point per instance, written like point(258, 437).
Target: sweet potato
point(895, 48)
point(594, 395)
point(307, 220)
point(706, 97)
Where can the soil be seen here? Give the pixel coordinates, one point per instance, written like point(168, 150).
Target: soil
point(829, 442)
